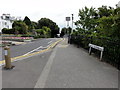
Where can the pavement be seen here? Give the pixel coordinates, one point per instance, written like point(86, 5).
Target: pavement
point(64, 66)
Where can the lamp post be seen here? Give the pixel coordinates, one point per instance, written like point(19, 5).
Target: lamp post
point(72, 22)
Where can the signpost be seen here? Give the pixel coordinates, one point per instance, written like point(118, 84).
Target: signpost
point(67, 19)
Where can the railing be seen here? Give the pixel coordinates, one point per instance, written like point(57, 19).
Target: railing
point(111, 47)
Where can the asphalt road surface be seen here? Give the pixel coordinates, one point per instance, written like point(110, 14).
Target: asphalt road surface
point(27, 48)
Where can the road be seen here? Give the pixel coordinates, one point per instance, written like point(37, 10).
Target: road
point(27, 48)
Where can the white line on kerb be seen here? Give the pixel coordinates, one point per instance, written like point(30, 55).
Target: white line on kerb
point(44, 75)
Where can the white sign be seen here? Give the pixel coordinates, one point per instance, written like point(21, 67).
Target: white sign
point(96, 47)
point(6, 52)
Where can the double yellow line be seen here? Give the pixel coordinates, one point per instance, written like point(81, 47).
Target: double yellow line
point(31, 54)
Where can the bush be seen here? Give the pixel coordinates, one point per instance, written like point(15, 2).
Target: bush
point(27, 35)
point(8, 31)
point(39, 36)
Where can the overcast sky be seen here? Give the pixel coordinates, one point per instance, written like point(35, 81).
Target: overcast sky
point(55, 10)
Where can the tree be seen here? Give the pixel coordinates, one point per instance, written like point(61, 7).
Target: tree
point(29, 24)
point(105, 11)
point(44, 32)
point(20, 27)
point(64, 30)
point(87, 19)
point(47, 31)
point(109, 25)
point(50, 24)
point(40, 31)
point(34, 24)
point(27, 21)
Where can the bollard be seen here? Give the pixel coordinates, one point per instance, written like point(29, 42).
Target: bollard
point(7, 58)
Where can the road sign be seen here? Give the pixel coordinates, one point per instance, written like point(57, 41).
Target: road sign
point(67, 18)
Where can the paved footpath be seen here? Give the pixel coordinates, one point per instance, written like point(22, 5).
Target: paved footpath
point(63, 67)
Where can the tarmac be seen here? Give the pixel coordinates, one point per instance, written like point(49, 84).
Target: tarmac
point(64, 66)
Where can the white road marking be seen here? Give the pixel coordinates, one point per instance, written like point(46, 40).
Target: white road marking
point(34, 50)
point(49, 42)
point(44, 75)
point(37, 49)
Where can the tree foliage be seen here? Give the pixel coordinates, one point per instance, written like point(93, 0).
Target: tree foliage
point(20, 27)
point(109, 25)
point(87, 18)
point(31, 25)
point(34, 24)
point(101, 22)
point(8, 31)
point(27, 21)
point(50, 24)
point(66, 30)
point(45, 31)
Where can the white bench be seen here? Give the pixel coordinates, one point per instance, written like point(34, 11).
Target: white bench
point(96, 47)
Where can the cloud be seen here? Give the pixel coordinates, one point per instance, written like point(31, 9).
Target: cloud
point(56, 10)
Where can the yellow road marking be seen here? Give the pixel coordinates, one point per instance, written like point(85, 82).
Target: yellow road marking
point(31, 54)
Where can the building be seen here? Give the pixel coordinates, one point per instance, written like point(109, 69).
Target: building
point(118, 5)
point(6, 21)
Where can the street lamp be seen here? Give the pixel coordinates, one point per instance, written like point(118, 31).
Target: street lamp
point(72, 22)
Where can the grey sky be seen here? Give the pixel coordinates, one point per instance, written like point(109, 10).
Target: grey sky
point(56, 10)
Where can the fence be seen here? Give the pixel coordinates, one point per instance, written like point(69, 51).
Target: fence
point(111, 47)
